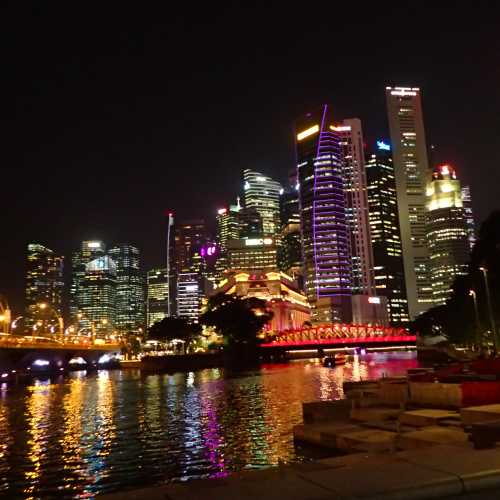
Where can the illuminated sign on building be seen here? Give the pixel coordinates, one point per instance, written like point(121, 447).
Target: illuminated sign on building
point(222, 211)
point(374, 300)
point(383, 146)
point(208, 251)
point(306, 133)
point(254, 242)
point(94, 244)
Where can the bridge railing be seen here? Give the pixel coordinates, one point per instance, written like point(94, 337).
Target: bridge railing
point(66, 342)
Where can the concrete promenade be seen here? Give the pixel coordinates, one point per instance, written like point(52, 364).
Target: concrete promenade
point(425, 473)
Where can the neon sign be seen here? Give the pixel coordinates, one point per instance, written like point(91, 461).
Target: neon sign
point(383, 146)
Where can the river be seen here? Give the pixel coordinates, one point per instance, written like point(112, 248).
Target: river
point(81, 435)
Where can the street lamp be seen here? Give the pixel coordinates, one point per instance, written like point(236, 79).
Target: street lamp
point(473, 294)
point(484, 270)
point(43, 306)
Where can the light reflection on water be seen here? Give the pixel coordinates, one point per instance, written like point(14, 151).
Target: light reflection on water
point(82, 435)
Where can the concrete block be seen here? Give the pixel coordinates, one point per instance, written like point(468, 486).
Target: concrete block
point(426, 417)
point(478, 414)
point(324, 434)
point(322, 411)
point(370, 440)
point(432, 436)
point(435, 394)
point(374, 414)
point(391, 393)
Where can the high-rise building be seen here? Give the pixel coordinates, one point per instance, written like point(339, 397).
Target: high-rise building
point(385, 233)
point(447, 233)
point(190, 236)
point(97, 297)
point(324, 227)
point(262, 194)
point(250, 223)
point(156, 296)
point(44, 285)
point(406, 124)
point(129, 289)
point(290, 249)
point(351, 136)
point(189, 295)
point(228, 225)
point(252, 254)
point(88, 251)
point(469, 216)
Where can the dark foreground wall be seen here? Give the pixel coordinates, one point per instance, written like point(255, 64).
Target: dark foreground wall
point(184, 362)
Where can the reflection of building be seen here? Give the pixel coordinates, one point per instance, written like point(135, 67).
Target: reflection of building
point(324, 228)
point(89, 250)
point(262, 194)
point(351, 137)
point(44, 282)
point(129, 288)
point(288, 304)
point(156, 296)
point(469, 216)
point(189, 295)
point(251, 254)
point(411, 168)
point(385, 234)
point(97, 296)
point(447, 233)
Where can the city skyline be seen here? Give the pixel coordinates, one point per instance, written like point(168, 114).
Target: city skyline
point(113, 129)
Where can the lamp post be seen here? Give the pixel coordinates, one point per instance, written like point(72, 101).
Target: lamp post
point(473, 294)
point(484, 270)
point(60, 322)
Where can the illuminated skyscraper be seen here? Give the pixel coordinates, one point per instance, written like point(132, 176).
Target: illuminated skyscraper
point(44, 284)
point(351, 136)
point(129, 289)
point(157, 296)
point(228, 225)
point(97, 296)
point(189, 295)
point(447, 233)
point(262, 194)
point(252, 254)
point(89, 250)
point(411, 169)
point(190, 236)
point(469, 216)
point(324, 227)
point(385, 233)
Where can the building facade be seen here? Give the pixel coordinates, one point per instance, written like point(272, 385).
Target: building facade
point(262, 194)
point(156, 296)
point(351, 136)
point(252, 254)
point(44, 287)
point(190, 236)
point(447, 232)
point(189, 296)
point(469, 216)
point(389, 276)
point(406, 125)
point(129, 289)
point(97, 297)
point(324, 226)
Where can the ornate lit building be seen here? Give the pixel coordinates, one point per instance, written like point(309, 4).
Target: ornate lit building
point(284, 298)
point(447, 232)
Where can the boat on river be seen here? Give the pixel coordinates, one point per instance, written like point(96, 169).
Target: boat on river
point(335, 360)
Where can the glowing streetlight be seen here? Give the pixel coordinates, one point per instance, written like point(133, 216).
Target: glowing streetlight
point(473, 294)
point(484, 270)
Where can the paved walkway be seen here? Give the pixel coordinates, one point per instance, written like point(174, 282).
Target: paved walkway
point(431, 472)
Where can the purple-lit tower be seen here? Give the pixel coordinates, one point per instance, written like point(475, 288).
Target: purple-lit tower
point(324, 228)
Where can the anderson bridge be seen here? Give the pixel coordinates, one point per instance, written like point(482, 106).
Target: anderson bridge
point(336, 335)
point(29, 352)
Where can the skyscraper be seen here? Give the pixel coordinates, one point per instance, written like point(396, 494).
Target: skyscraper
point(157, 296)
point(324, 228)
point(228, 225)
point(44, 285)
point(129, 289)
point(385, 233)
point(447, 233)
point(469, 216)
point(411, 168)
point(97, 296)
point(252, 254)
point(190, 236)
point(88, 251)
point(189, 295)
point(262, 194)
point(351, 136)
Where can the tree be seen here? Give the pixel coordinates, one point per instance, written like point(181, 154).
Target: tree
point(171, 328)
point(238, 320)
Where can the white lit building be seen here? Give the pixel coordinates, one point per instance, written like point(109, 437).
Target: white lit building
point(189, 295)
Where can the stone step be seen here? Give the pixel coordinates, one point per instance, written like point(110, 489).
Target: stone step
point(374, 414)
point(432, 436)
point(478, 414)
point(369, 440)
point(324, 434)
point(427, 417)
point(324, 411)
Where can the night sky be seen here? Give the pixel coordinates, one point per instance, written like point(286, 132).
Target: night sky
point(111, 116)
